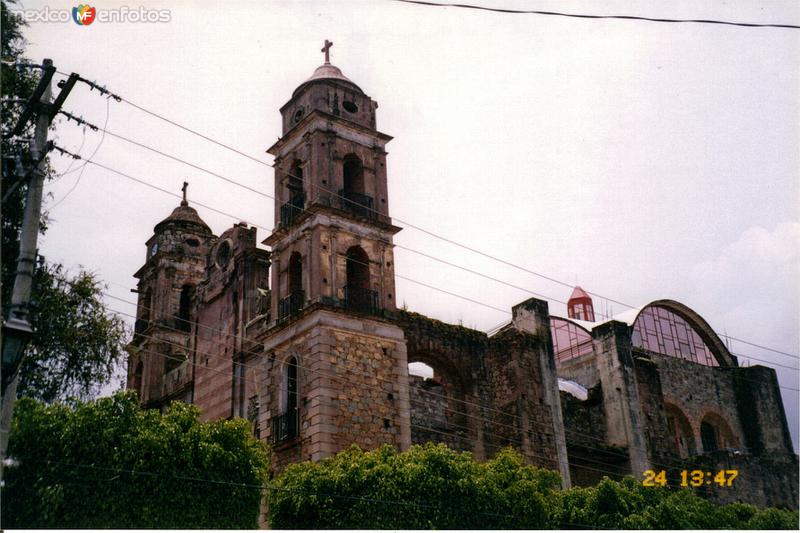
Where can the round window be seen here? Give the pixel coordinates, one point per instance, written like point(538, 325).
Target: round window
point(349, 106)
point(298, 115)
point(223, 255)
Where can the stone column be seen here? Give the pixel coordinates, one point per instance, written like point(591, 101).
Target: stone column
point(624, 418)
point(533, 316)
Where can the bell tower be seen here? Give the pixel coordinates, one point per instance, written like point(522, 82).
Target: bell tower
point(337, 364)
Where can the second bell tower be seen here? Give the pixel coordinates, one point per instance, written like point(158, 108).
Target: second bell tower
point(337, 365)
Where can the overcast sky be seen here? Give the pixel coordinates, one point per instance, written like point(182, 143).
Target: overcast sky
point(640, 160)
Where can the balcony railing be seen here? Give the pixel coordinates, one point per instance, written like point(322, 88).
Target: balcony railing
point(291, 305)
point(292, 209)
point(358, 204)
point(284, 427)
point(361, 300)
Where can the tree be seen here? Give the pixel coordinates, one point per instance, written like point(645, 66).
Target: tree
point(75, 346)
point(427, 487)
point(432, 487)
point(109, 464)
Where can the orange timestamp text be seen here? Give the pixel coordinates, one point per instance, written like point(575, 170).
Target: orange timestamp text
point(691, 478)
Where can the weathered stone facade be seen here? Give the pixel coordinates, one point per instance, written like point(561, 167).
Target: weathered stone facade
point(305, 340)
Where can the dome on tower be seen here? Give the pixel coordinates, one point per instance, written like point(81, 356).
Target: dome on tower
point(183, 215)
point(328, 72)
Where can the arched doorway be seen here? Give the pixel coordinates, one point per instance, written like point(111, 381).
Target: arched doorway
point(353, 193)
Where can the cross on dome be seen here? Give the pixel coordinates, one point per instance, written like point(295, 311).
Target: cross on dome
point(326, 49)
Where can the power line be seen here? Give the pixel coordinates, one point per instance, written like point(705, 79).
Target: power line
point(586, 16)
point(334, 376)
point(406, 223)
point(432, 287)
point(477, 302)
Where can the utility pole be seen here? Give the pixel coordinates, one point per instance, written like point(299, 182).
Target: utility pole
point(17, 321)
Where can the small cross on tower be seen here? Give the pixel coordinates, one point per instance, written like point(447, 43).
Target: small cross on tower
point(185, 186)
point(326, 48)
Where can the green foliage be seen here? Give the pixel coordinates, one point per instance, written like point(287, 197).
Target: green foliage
point(432, 487)
point(109, 464)
point(427, 487)
point(75, 347)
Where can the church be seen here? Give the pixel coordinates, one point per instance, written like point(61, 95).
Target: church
point(305, 340)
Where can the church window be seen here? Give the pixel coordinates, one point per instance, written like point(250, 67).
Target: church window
point(295, 299)
point(660, 330)
point(194, 243)
point(185, 308)
point(285, 425)
point(709, 437)
point(295, 272)
point(353, 172)
point(357, 293)
point(223, 255)
point(353, 194)
point(569, 340)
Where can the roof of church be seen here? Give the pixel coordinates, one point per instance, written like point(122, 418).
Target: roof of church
point(328, 72)
point(181, 215)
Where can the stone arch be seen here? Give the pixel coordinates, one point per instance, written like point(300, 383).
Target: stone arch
point(680, 431)
point(439, 405)
point(716, 433)
point(718, 350)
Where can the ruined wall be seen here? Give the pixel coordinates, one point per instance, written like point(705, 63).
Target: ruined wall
point(519, 387)
point(698, 390)
point(434, 418)
point(456, 355)
point(581, 370)
point(590, 458)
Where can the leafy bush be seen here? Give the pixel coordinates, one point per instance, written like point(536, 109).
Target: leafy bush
point(109, 464)
point(432, 487)
point(427, 487)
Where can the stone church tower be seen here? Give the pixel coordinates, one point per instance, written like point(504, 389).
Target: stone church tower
point(337, 371)
point(175, 264)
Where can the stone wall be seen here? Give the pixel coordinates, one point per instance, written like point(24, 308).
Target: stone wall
point(352, 384)
point(768, 480)
point(433, 418)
